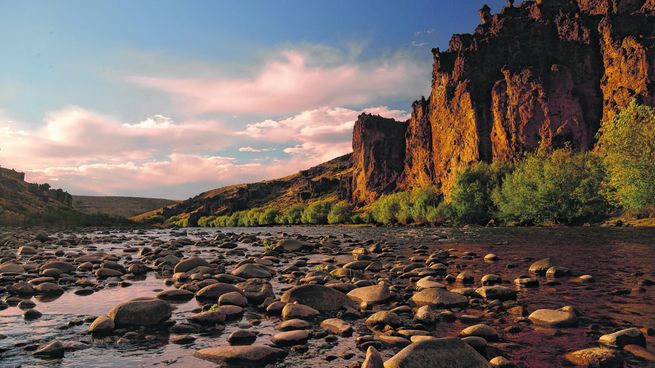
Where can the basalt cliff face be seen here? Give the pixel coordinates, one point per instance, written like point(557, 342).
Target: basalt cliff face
point(544, 73)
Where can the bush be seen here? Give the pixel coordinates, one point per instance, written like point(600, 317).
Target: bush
point(626, 145)
point(340, 213)
point(317, 212)
point(423, 201)
point(557, 187)
point(471, 201)
point(386, 209)
point(268, 217)
point(294, 214)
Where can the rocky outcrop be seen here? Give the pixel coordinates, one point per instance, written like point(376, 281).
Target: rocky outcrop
point(543, 74)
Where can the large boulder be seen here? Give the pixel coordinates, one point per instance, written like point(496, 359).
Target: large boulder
point(103, 325)
point(319, 297)
point(439, 298)
point(214, 291)
point(554, 318)
point(438, 353)
point(249, 356)
point(141, 312)
point(252, 271)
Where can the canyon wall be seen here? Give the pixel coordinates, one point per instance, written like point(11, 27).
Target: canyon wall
point(542, 74)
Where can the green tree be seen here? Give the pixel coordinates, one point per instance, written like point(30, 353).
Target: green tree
point(317, 212)
point(557, 187)
point(268, 216)
point(340, 213)
point(626, 145)
point(294, 214)
point(471, 201)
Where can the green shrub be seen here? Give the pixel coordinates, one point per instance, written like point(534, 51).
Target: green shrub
point(471, 201)
point(294, 214)
point(385, 210)
point(557, 187)
point(423, 201)
point(340, 213)
point(626, 145)
point(268, 217)
point(317, 212)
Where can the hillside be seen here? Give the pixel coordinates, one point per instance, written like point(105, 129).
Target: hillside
point(21, 201)
point(118, 206)
point(318, 182)
point(543, 74)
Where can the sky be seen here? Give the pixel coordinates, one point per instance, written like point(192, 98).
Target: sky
point(164, 98)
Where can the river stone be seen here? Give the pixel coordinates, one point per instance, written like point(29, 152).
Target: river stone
point(176, 294)
point(299, 311)
point(214, 291)
point(337, 326)
point(496, 292)
point(242, 337)
point(256, 290)
point(252, 271)
point(619, 339)
point(490, 280)
point(501, 362)
point(556, 272)
point(439, 298)
point(595, 357)
point(373, 359)
point(211, 317)
point(26, 250)
point(140, 312)
point(541, 266)
point(65, 267)
point(53, 349)
point(248, 356)
point(480, 330)
point(429, 282)
point(446, 352)
point(290, 338)
point(319, 297)
point(103, 325)
point(553, 318)
point(383, 318)
point(32, 314)
point(374, 294)
point(189, 264)
point(293, 324)
point(291, 245)
point(233, 298)
point(102, 273)
point(11, 267)
point(48, 288)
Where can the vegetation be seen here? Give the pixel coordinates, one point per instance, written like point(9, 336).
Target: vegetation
point(547, 187)
point(558, 187)
point(627, 147)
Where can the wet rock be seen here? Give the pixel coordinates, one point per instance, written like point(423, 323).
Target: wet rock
point(26, 250)
point(337, 326)
point(250, 356)
point(491, 279)
point(233, 298)
point(140, 312)
point(49, 288)
point(189, 264)
point(242, 337)
point(439, 298)
point(65, 267)
point(501, 362)
point(496, 292)
point(103, 273)
point(383, 318)
point(319, 297)
point(11, 268)
point(437, 353)
point(103, 325)
point(210, 317)
point(480, 330)
point(300, 311)
point(290, 338)
point(182, 339)
point(373, 359)
point(465, 277)
point(252, 271)
point(429, 282)
point(293, 324)
point(554, 318)
point(54, 349)
point(619, 339)
point(595, 357)
point(556, 272)
point(214, 291)
point(371, 295)
point(586, 279)
point(491, 257)
point(541, 266)
point(527, 282)
point(476, 342)
point(640, 352)
point(291, 245)
point(256, 290)
point(32, 314)
point(176, 295)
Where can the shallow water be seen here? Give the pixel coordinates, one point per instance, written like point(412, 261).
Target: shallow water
point(617, 258)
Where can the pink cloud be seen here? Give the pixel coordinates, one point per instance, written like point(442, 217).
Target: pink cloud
point(293, 81)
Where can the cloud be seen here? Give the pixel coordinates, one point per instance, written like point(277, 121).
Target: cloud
point(319, 134)
point(297, 79)
point(255, 150)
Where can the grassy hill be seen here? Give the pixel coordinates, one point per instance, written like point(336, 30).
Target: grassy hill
point(319, 182)
point(118, 206)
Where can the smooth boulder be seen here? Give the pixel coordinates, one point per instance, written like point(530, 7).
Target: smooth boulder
point(245, 356)
point(319, 297)
point(141, 312)
point(449, 352)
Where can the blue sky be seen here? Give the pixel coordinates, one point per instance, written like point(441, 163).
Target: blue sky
point(170, 98)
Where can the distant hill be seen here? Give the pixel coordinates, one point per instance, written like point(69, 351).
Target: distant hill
point(21, 202)
point(319, 182)
point(118, 206)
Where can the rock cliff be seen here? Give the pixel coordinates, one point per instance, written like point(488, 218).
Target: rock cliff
point(544, 73)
